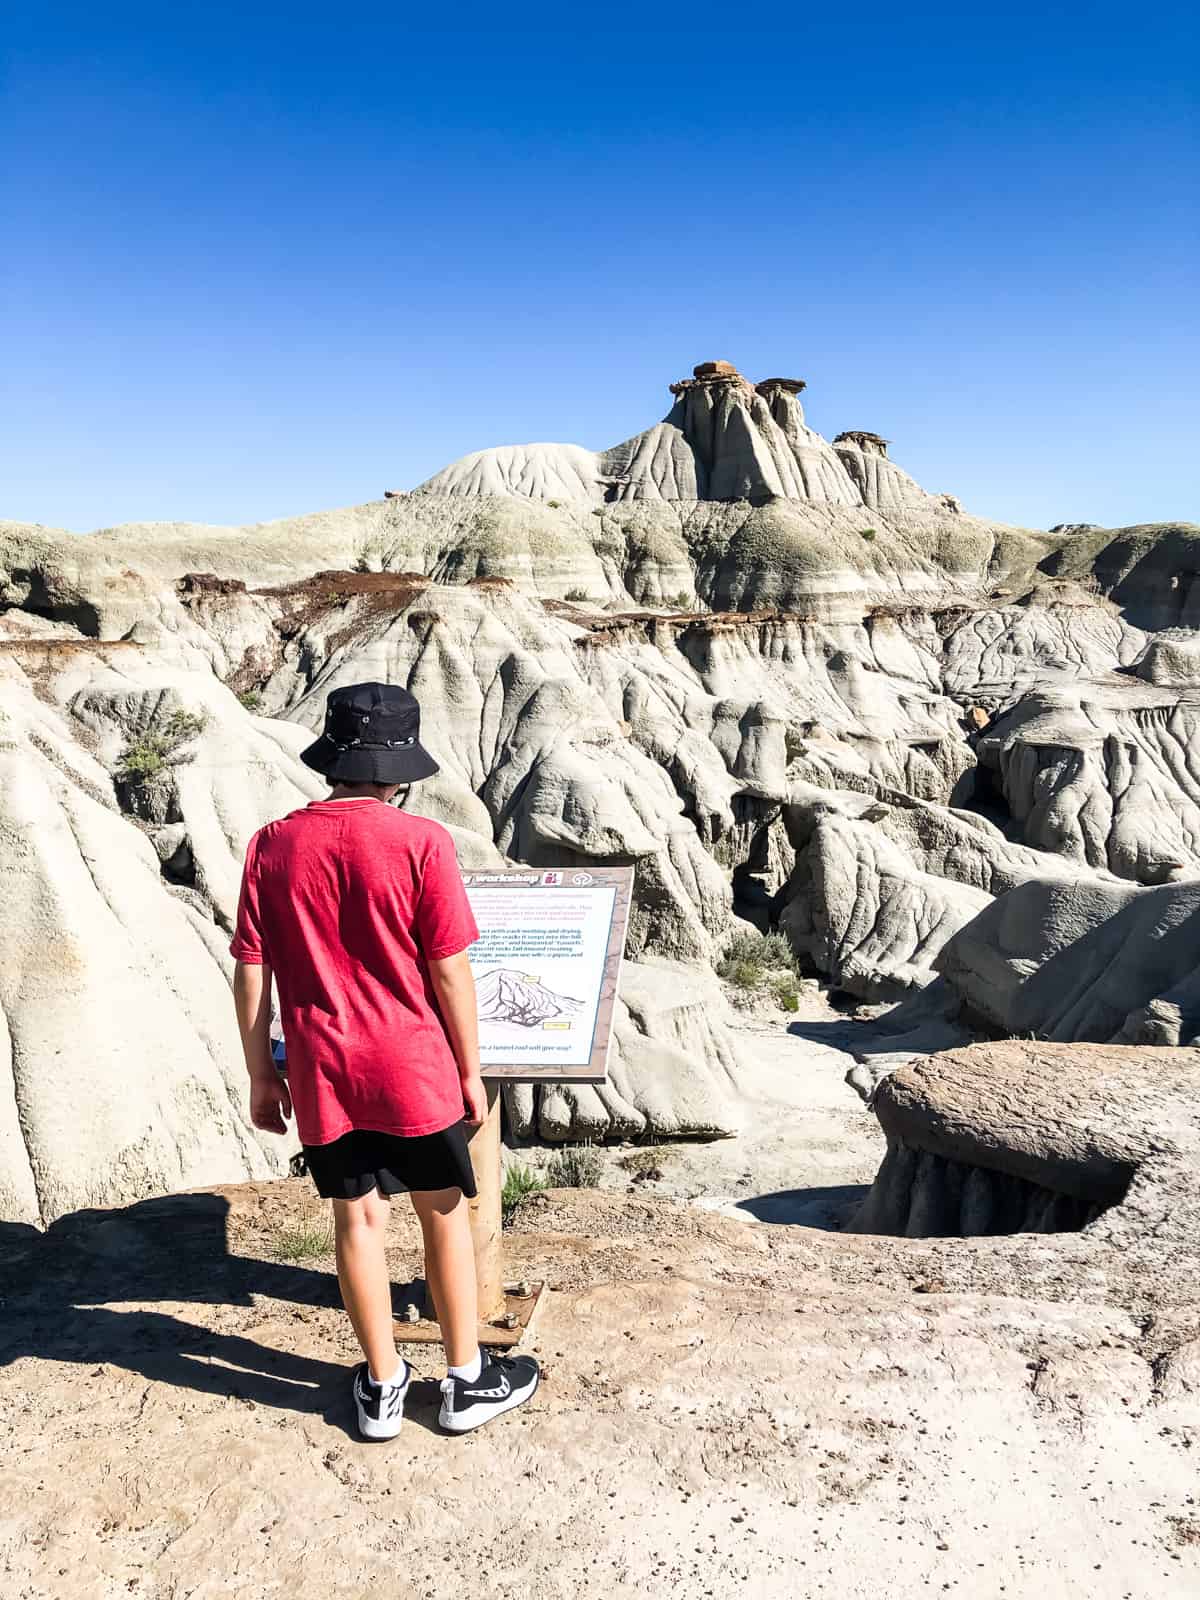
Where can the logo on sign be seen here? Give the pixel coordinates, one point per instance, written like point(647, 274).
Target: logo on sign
point(552, 878)
point(581, 878)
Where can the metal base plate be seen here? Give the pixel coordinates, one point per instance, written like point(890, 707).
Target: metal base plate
point(502, 1334)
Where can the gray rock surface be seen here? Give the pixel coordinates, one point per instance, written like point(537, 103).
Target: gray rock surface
point(1090, 960)
point(860, 907)
point(1102, 772)
point(1171, 659)
point(882, 883)
point(119, 1072)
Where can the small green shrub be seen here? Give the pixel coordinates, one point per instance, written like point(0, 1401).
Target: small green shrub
point(681, 601)
point(745, 945)
point(742, 974)
point(780, 952)
point(303, 1241)
point(867, 533)
point(519, 1183)
point(251, 699)
point(555, 505)
point(576, 1166)
point(145, 757)
point(766, 950)
point(753, 960)
point(786, 993)
point(577, 594)
point(184, 725)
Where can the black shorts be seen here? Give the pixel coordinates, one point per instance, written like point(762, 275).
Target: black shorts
point(361, 1161)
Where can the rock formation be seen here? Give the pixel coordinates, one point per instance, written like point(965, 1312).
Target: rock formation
point(1009, 1138)
point(1088, 959)
point(724, 439)
point(951, 760)
point(880, 482)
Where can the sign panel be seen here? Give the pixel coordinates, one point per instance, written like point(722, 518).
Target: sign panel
point(546, 966)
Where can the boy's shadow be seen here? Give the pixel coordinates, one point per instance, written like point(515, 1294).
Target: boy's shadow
point(58, 1290)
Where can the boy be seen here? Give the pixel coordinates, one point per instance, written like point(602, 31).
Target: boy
point(360, 913)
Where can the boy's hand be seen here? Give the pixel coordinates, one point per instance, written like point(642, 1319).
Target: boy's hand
point(270, 1103)
point(475, 1100)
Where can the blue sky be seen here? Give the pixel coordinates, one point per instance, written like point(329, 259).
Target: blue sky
point(268, 260)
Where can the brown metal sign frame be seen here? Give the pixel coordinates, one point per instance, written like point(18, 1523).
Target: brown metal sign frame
point(575, 881)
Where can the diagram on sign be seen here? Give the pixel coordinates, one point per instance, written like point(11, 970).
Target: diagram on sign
point(524, 1001)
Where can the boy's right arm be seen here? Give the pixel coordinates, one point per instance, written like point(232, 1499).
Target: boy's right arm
point(270, 1102)
point(454, 986)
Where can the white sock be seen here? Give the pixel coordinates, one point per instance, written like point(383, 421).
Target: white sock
point(470, 1372)
point(395, 1381)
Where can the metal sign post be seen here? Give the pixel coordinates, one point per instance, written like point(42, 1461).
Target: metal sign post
point(546, 965)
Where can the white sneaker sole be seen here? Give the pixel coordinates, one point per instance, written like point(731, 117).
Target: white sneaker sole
point(383, 1427)
point(475, 1416)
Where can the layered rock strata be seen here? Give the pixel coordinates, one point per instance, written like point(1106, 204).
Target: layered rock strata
point(951, 760)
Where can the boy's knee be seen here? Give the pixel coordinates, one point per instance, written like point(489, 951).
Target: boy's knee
point(368, 1214)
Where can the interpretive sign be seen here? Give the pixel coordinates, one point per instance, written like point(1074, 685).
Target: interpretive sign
point(546, 966)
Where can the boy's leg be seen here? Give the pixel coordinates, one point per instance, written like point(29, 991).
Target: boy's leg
point(450, 1270)
point(477, 1387)
point(360, 1234)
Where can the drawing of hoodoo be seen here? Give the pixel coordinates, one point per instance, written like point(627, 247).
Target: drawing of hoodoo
point(508, 996)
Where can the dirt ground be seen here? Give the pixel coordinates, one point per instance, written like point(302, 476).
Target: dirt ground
point(727, 1405)
point(736, 1396)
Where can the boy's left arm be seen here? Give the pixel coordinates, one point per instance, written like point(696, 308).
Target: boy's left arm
point(270, 1102)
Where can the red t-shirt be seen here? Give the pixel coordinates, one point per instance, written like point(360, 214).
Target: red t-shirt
point(347, 901)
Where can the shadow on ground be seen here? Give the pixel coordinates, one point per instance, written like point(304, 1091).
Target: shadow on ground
point(829, 1206)
point(854, 1037)
point(62, 1291)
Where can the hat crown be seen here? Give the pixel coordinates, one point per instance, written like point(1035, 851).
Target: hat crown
point(372, 715)
point(372, 735)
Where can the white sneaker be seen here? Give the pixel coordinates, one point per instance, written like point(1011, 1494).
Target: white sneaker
point(505, 1382)
point(380, 1406)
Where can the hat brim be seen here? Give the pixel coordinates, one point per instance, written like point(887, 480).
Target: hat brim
point(369, 763)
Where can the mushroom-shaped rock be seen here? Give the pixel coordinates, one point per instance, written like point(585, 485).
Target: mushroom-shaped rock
point(724, 439)
point(872, 444)
point(1031, 1138)
point(883, 485)
point(789, 385)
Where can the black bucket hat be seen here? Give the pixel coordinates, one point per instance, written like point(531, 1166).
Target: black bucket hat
point(372, 735)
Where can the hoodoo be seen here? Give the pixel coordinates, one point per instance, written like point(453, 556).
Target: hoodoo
point(724, 439)
point(871, 444)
